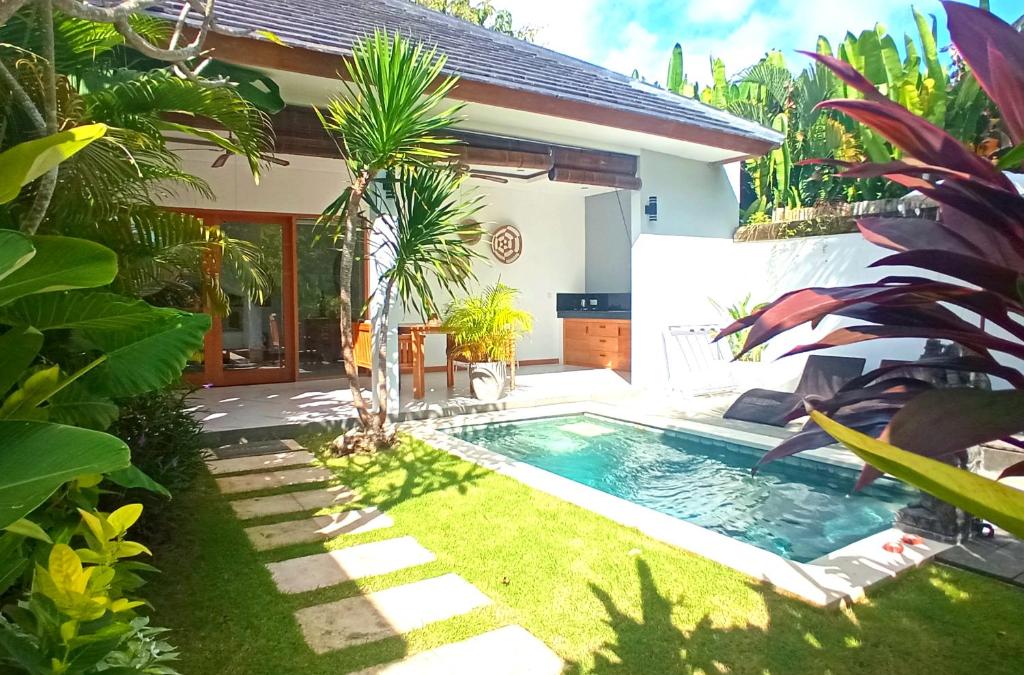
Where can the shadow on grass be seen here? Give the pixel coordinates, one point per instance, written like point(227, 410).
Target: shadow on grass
point(409, 470)
point(938, 622)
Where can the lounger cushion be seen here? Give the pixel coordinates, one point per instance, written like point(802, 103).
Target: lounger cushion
point(764, 406)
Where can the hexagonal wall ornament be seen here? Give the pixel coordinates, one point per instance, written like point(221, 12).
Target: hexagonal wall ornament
point(507, 244)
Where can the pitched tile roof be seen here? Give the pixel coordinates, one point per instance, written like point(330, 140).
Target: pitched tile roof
point(476, 54)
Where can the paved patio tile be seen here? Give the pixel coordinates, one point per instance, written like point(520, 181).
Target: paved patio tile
point(260, 462)
point(252, 482)
point(355, 562)
point(511, 650)
point(257, 448)
point(292, 502)
point(1005, 561)
point(383, 614)
point(317, 528)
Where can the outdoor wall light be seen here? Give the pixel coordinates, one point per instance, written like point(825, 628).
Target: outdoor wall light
point(651, 209)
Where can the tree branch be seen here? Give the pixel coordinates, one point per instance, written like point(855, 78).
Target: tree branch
point(48, 182)
point(9, 9)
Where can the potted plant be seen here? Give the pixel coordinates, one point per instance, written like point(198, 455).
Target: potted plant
point(484, 331)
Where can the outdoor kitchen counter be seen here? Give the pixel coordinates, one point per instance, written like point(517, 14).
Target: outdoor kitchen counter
point(597, 341)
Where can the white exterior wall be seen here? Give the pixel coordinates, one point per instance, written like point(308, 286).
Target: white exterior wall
point(550, 218)
point(551, 221)
point(609, 238)
point(698, 270)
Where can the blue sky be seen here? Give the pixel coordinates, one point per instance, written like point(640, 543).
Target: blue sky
point(627, 34)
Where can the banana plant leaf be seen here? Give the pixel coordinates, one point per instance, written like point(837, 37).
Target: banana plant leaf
point(39, 457)
point(27, 161)
point(979, 496)
point(60, 263)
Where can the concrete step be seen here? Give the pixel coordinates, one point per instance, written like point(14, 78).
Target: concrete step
point(277, 460)
point(292, 502)
point(511, 650)
point(256, 448)
point(311, 572)
point(251, 482)
point(317, 528)
point(383, 614)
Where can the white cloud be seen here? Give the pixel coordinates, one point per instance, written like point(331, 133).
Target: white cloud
point(568, 26)
point(641, 50)
point(718, 11)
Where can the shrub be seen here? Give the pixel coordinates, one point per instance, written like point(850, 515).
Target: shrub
point(163, 436)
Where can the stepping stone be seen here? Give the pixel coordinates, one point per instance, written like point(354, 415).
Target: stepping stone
point(355, 562)
point(511, 650)
point(387, 613)
point(317, 528)
point(257, 448)
point(251, 482)
point(260, 462)
point(291, 502)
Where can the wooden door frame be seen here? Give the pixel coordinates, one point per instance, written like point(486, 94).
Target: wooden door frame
point(213, 371)
point(213, 366)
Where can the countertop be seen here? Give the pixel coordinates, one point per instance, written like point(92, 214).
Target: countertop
point(595, 314)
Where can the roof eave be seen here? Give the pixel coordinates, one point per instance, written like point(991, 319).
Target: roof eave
point(258, 53)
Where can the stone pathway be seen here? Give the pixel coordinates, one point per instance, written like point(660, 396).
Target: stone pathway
point(361, 619)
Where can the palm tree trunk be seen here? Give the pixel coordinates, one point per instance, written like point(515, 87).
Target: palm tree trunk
point(355, 198)
point(382, 361)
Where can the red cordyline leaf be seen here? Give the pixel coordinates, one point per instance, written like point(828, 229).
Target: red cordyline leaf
point(967, 364)
point(976, 340)
point(905, 234)
point(995, 52)
point(1014, 470)
point(921, 139)
point(987, 275)
point(941, 422)
point(907, 167)
point(848, 74)
point(813, 304)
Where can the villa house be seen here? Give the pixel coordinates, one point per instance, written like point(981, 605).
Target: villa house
point(583, 163)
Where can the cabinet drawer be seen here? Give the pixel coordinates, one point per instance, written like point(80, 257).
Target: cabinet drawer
point(575, 329)
point(603, 329)
point(592, 343)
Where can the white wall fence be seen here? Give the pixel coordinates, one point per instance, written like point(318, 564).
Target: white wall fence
point(675, 279)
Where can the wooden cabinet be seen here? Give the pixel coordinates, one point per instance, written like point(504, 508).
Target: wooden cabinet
point(597, 343)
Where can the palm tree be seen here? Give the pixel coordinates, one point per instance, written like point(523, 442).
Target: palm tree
point(110, 191)
point(422, 238)
point(390, 116)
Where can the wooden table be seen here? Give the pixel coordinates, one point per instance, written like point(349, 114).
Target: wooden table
point(416, 356)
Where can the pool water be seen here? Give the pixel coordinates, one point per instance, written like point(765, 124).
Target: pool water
point(788, 508)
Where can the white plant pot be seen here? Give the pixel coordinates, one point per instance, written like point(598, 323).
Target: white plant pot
point(488, 380)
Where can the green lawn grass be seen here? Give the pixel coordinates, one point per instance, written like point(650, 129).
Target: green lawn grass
point(606, 598)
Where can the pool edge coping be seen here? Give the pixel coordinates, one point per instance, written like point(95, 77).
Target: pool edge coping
point(837, 578)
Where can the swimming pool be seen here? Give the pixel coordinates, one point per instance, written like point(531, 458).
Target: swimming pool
point(791, 508)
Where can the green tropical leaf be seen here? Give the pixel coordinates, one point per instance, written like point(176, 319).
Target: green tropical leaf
point(39, 457)
point(148, 357)
point(19, 347)
point(78, 406)
point(60, 263)
point(134, 477)
point(16, 249)
point(26, 528)
point(82, 310)
point(27, 161)
point(975, 494)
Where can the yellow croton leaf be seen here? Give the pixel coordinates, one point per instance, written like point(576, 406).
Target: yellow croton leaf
point(124, 517)
point(65, 569)
point(96, 526)
point(980, 496)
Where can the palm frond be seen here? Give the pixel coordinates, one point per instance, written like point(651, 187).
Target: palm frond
point(485, 327)
point(388, 116)
point(427, 247)
point(138, 100)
